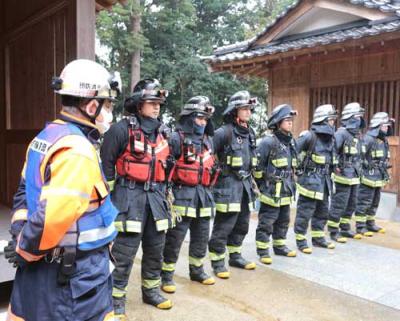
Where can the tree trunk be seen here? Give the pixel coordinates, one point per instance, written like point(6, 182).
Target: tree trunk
point(135, 60)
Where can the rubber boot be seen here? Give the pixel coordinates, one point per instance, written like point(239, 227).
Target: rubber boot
point(197, 274)
point(350, 234)
point(372, 227)
point(167, 282)
point(303, 246)
point(322, 242)
point(219, 269)
point(364, 231)
point(265, 257)
point(237, 260)
point(119, 309)
point(283, 250)
point(335, 236)
point(154, 298)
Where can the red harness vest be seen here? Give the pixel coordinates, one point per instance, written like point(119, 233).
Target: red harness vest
point(195, 168)
point(144, 161)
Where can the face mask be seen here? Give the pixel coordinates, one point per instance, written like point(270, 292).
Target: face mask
point(199, 130)
point(106, 123)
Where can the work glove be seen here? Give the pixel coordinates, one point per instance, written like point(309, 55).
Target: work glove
point(10, 253)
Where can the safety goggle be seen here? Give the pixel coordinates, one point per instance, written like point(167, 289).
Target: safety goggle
point(207, 109)
point(161, 93)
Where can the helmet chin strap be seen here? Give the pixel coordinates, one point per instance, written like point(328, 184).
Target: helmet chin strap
point(96, 114)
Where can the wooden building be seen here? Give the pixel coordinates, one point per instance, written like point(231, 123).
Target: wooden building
point(327, 51)
point(37, 38)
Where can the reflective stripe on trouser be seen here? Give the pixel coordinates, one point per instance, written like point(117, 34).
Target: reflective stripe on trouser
point(37, 295)
point(229, 229)
point(124, 251)
point(199, 232)
point(311, 209)
point(272, 221)
point(367, 204)
point(343, 205)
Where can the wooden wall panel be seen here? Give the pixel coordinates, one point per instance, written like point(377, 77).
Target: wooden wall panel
point(15, 156)
point(394, 161)
point(2, 109)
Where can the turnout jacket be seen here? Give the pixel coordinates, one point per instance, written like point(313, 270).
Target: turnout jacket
point(190, 198)
point(235, 147)
point(317, 154)
point(275, 171)
point(348, 149)
point(129, 196)
point(376, 156)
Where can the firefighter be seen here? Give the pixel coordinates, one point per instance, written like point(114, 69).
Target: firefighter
point(235, 147)
point(375, 172)
point(63, 217)
point(275, 178)
point(134, 155)
point(194, 173)
point(317, 151)
point(347, 173)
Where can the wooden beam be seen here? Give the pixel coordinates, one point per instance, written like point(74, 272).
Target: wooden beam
point(85, 29)
point(356, 10)
point(285, 22)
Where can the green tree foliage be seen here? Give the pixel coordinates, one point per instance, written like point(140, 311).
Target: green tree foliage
point(174, 35)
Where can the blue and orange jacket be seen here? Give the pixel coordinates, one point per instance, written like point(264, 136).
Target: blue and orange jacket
point(63, 197)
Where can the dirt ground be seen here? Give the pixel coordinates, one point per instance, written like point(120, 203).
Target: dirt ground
point(263, 294)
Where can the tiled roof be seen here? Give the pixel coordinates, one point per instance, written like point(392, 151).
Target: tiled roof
point(338, 34)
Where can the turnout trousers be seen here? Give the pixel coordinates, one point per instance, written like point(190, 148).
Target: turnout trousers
point(229, 230)
point(342, 208)
point(124, 251)
point(311, 209)
point(367, 205)
point(271, 221)
point(199, 233)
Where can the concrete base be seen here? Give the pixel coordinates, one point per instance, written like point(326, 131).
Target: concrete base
point(388, 209)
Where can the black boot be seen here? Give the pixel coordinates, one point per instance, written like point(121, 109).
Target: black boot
point(265, 257)
point(350, 234)
point(154, 298)
point(303, 246)
point(283, 250)
point(364, 231)
point(372, 227)
point(119, 309)
point(322, 242)
point(197, 274)
point(167, 282)
point(335, 236)
point(219, 269)
point(236, 260)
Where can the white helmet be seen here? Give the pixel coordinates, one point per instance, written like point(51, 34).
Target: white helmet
point(87, 79)
point(324, 112)
point(352, 109)
point(379, 119)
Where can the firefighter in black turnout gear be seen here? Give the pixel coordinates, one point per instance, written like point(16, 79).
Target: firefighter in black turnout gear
point(376, 156)
point(316, 149)
point(137, 149)
point(235, 146)
point(347, 173)
point(275, 179)
point(193, 176)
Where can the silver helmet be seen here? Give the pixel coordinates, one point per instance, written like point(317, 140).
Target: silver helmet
point(280, 113)
point(352, 109)
point(379, 119)
point(324, 112)
point(240, 99)
point(200, 105)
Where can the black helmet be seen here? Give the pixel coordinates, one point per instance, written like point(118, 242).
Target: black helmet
point(240, 99)
point(200, 105)
point(280, 113)
point(145, 90)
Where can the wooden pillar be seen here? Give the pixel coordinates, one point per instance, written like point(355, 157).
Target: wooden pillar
point(85, 18)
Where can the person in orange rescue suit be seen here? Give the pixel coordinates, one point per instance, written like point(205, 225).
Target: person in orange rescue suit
point(275, 178)
point(347, 173)
point(235, 147)
point(193, 176)
point(376, 156)
point(316, 149)
point(134, 154)
point(63, 218)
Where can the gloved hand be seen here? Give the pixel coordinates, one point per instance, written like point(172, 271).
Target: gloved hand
point(10, 253)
